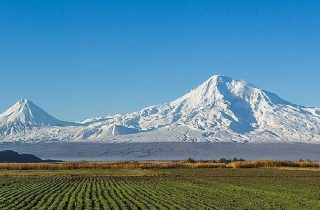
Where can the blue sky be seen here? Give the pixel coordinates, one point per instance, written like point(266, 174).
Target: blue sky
point(78, 59)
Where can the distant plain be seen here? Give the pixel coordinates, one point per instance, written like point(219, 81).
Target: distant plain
point(167, 151)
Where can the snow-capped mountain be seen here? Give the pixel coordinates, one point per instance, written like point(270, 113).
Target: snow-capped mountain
point(24, 116)
point(220, 109)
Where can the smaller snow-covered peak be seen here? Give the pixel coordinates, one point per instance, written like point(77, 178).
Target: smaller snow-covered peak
point(22, 104)
point(23, 101)
point(25, 112)
point(21, 107)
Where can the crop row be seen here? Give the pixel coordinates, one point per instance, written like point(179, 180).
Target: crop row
point(201, 189)
point(96, 193)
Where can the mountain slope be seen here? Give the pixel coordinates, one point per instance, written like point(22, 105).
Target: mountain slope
point(220, 109)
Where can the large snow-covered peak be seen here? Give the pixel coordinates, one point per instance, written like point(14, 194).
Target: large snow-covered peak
point(222, 88)
point(222, 103)
point(26, 113)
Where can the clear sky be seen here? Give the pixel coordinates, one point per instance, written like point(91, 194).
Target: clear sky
point(78, 59)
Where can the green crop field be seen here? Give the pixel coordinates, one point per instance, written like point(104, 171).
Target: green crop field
point(160, 189)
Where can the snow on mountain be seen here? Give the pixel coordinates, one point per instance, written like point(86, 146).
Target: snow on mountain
point(220, 109)
point(23, 116)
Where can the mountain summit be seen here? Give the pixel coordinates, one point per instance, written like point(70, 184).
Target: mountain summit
point(220, 109)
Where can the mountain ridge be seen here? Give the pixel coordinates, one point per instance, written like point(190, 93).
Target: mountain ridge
point(220, 109)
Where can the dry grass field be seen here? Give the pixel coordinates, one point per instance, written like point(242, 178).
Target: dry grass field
point(190, 163)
